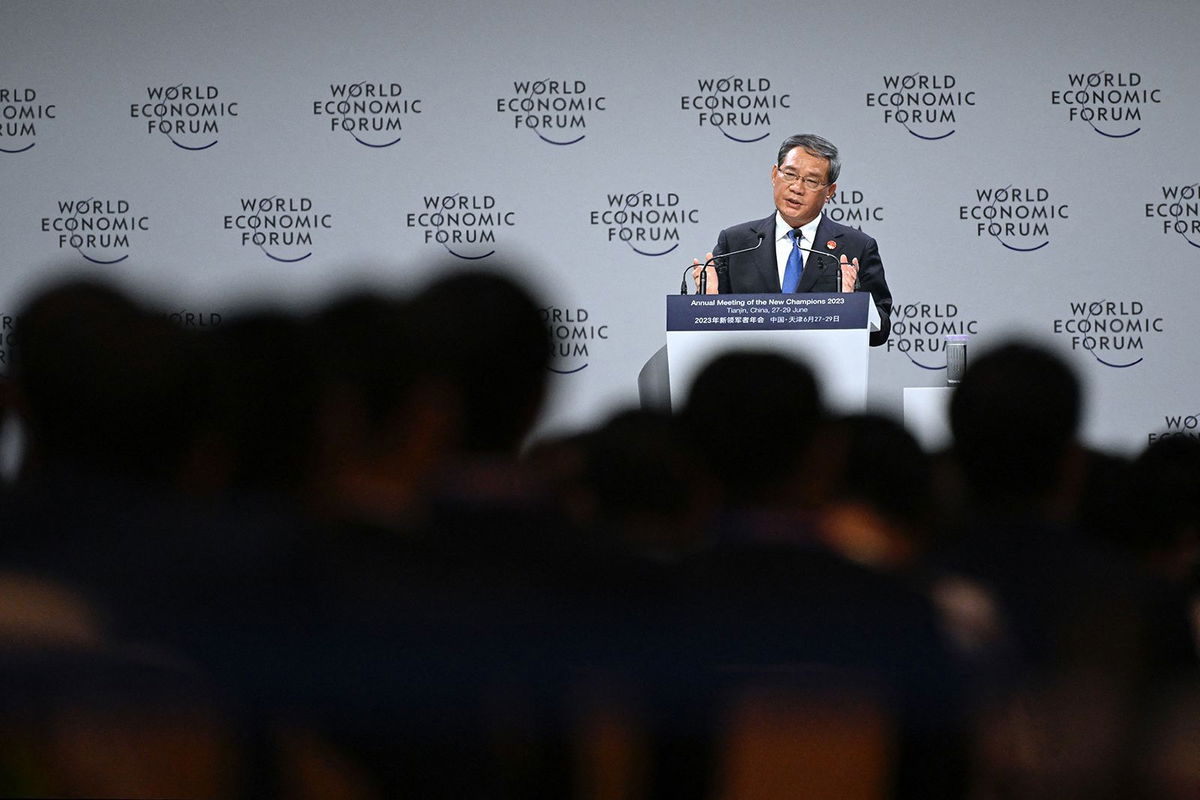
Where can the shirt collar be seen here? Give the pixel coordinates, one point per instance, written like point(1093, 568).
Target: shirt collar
point(808, 230)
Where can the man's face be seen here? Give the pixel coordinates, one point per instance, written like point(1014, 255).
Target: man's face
point(797, 204)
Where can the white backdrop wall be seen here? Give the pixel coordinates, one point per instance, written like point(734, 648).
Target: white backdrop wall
point(1025, 167)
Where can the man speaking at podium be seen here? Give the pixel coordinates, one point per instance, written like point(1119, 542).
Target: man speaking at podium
point(799, 249)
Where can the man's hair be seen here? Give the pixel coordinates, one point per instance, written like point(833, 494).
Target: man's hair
point(1013, 417)
point(816, 146)
point(757, 403)
point(106, 380)
point(494, 350)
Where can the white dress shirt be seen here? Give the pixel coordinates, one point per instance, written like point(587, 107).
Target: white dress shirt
point(783, 244)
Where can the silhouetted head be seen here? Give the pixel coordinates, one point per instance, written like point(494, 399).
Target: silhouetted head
point(1161, 505)
point(105, 381)
point(647, 488)
point(264, 398)
point(878, 462)
point(366, 349)
point(484, 333)
point(1014, 418)
point(752, 415)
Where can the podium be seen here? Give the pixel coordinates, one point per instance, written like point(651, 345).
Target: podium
point(828, 331)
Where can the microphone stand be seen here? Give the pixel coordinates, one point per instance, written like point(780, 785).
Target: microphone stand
point(703, 288)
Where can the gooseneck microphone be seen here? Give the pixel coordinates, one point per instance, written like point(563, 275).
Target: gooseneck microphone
point(837, 264)
point(704, 268)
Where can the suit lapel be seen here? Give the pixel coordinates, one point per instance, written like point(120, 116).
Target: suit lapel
point(828, 240)
point(765, 262)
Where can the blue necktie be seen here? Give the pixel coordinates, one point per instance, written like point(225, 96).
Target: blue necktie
point(795, 264)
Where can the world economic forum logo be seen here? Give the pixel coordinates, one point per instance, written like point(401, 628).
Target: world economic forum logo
point(556, 111)
point(190, 116)
point(573, 336)
point(919, 331)
point(1186, 424)
point(101, 231)
point(1115, 332)
point(649, 223)
point(466, 225)
point(740, 108)
point(373, 114)
point(851, 207)
point(20, 115)
point(282, 228)
point(1177, 210)
point(927, 106)
point(1111, 103)
point(1019, 218)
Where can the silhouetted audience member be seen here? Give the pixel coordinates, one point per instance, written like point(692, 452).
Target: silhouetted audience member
point(633, 483)
point(261, 415)
point(1159, 528)
point(753, 416)
point(1101, 505)
point(1014, 419)
point(770, 599)
point(104, 384)
point(480, 334)
point(485, 332)
point(879, 506)
point(1014, 426)
point(1068, 637)
point(389, 418)
point(1163, 501)
point(109, 394)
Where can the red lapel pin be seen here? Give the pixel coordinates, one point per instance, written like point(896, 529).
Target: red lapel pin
point(831, 244)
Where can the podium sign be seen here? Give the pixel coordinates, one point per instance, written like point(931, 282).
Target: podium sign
point(828, 331)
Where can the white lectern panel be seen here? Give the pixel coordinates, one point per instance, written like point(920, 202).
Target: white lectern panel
point(829, 332)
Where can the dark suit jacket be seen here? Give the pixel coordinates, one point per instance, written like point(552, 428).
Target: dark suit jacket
point(758, 270)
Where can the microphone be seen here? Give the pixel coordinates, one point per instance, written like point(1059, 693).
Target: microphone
point(704, 268)
point(836, 263)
